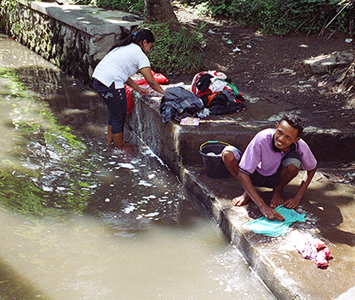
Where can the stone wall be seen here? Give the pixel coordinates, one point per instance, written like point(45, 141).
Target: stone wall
point(179, 146)
point(73, 37)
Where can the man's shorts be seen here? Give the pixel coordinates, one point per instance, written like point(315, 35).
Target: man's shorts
point(291, 158)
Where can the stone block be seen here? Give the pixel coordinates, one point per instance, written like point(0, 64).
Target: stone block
point(325, 63)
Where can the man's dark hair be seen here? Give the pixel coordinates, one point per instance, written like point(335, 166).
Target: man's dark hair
point(294, 121)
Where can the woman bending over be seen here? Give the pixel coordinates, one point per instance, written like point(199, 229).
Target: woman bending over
point(115, 70)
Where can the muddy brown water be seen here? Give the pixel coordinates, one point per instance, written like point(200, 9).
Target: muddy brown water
point(80, 220)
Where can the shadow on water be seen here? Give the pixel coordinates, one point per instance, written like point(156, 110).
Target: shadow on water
point(80, 220)
point(16, 287)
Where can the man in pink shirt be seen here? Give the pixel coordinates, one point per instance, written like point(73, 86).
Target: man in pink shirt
point(272, 159)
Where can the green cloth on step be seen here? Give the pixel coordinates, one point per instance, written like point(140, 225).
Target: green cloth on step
point(275, 227)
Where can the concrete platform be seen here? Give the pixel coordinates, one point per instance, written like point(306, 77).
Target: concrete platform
point(88, 19)
point(329, 210)
point(328, 206)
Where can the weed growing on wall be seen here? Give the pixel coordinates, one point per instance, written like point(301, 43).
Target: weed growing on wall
point(5, 6)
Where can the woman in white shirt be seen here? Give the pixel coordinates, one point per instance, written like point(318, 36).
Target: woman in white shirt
point(115, 70)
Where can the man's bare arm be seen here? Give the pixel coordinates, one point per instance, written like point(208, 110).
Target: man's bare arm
point(295, 201)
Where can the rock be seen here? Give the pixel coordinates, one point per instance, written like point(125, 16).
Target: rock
point(324, 63)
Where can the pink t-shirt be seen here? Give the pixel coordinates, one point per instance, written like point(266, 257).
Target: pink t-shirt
point(260, 155)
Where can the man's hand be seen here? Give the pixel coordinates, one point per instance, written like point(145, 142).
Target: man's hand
point(271, 214)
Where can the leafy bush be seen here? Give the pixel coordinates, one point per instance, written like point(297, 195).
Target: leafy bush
point(175, 52)
point(283, 16)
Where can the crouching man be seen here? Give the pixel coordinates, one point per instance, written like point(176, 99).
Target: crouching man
point(272, 159)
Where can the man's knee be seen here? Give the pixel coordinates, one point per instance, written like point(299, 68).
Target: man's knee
point(228, 157)
point(231, 154)
point(292, 158)
point(290, 170)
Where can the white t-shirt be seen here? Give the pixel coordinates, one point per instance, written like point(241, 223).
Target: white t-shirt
point(119, 64)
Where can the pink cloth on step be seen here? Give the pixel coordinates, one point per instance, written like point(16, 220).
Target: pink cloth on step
point(314, 249)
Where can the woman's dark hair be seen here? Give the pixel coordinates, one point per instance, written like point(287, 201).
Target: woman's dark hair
point(136, 37)
point(294, 121)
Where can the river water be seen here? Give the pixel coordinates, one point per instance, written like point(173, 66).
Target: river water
point(81, 220)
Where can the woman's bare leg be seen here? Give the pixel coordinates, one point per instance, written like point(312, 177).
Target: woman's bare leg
point(109, 135)
point(118, 139)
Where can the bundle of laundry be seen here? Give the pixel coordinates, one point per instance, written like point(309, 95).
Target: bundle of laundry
point(314, 249)
point(218, 94)
point(179, 103)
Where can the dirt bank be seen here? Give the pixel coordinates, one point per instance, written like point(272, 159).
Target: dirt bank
point(272, 68)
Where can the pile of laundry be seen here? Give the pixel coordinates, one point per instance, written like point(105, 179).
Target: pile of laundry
point(218, 94)
point(211, 94)
point(179, 103)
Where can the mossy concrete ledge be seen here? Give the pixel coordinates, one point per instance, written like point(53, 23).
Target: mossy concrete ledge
point(73, 37)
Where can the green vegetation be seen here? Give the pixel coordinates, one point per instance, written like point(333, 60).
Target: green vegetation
point(175, 52)
point(180, 52)
point(8, 4)
point(270, 16)
point(284, 16)
point(125, 5)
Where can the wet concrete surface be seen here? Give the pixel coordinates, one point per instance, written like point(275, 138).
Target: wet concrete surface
point(328, 208)
point(328, 203)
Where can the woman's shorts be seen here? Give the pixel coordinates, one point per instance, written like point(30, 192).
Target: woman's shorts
point(116, 102)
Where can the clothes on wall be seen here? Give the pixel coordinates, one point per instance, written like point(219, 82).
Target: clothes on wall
point(179, 103)
point(210, 90)
point(218, 94)
point(275, 227)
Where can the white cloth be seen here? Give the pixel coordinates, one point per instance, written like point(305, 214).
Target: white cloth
point(120, 64)
point(217, 85)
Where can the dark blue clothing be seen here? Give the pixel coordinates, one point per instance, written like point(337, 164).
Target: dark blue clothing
point(116, 102)
point(179, 103)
